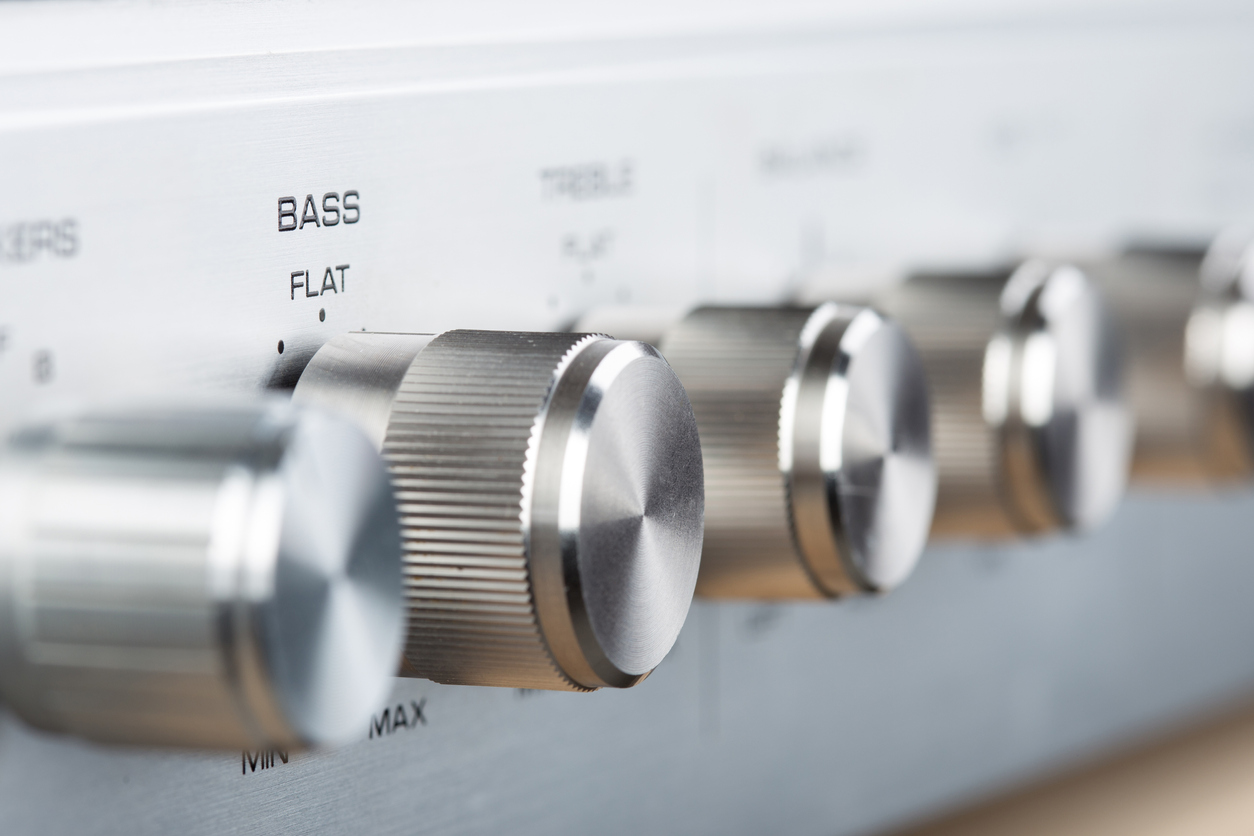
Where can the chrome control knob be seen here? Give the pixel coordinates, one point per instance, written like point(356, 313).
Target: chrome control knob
point(550, 492)
point(1031, 429)
point(815, 432)
point(1191, 428)
point(224, 578)
point(1219, 348)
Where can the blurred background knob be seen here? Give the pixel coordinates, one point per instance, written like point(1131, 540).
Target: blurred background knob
point(224, 577)
point(1192, 426)
point(550, 492)
point(815, 432)
point(1031, 428)
point(1219, 348)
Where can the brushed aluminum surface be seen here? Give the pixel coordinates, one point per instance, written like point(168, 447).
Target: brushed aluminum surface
point(223, 577)
point(550, 488)
point(815, 432)
point(1032, 432)
point(774, 147)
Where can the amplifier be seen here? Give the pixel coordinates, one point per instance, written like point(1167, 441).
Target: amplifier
point(200, 197)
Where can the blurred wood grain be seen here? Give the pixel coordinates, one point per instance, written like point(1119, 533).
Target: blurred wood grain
point(1200, 783)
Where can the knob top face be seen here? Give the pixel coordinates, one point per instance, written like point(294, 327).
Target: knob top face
point(335, 621)
point(618, 470)
point(875, 444)
point(1053, 383)
point(856, 449)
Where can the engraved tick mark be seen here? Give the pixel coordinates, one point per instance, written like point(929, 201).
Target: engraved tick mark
point(42, 366)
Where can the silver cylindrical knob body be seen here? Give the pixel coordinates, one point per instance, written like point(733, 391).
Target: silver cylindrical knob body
point(1031, 429)
point(550, 491)
point(1219, 347)
point(815, 432)
point(1190, 429)
point(225, 577)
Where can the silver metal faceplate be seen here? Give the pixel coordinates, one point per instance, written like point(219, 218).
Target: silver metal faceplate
point(514, 165)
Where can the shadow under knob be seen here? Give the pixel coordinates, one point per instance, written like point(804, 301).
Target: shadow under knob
point(225, 577)
point(550, 492)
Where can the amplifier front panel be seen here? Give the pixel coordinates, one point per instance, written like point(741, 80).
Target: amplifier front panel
point(177, 227)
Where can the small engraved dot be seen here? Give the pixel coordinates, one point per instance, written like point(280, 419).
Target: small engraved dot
point(322, 315)
point(280, 346)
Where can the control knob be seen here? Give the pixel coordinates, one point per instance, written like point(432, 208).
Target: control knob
point(225, 577)
point(815, 432)
point(1219, 349)
point(1192, 423)
point(1031, 429)
point(550, 494)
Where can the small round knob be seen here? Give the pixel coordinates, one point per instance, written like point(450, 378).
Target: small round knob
point(225, 577)
point(550, 491)
point(1219, 350)
point(1032, 432)
point(1191, 429)
point(815, 432)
